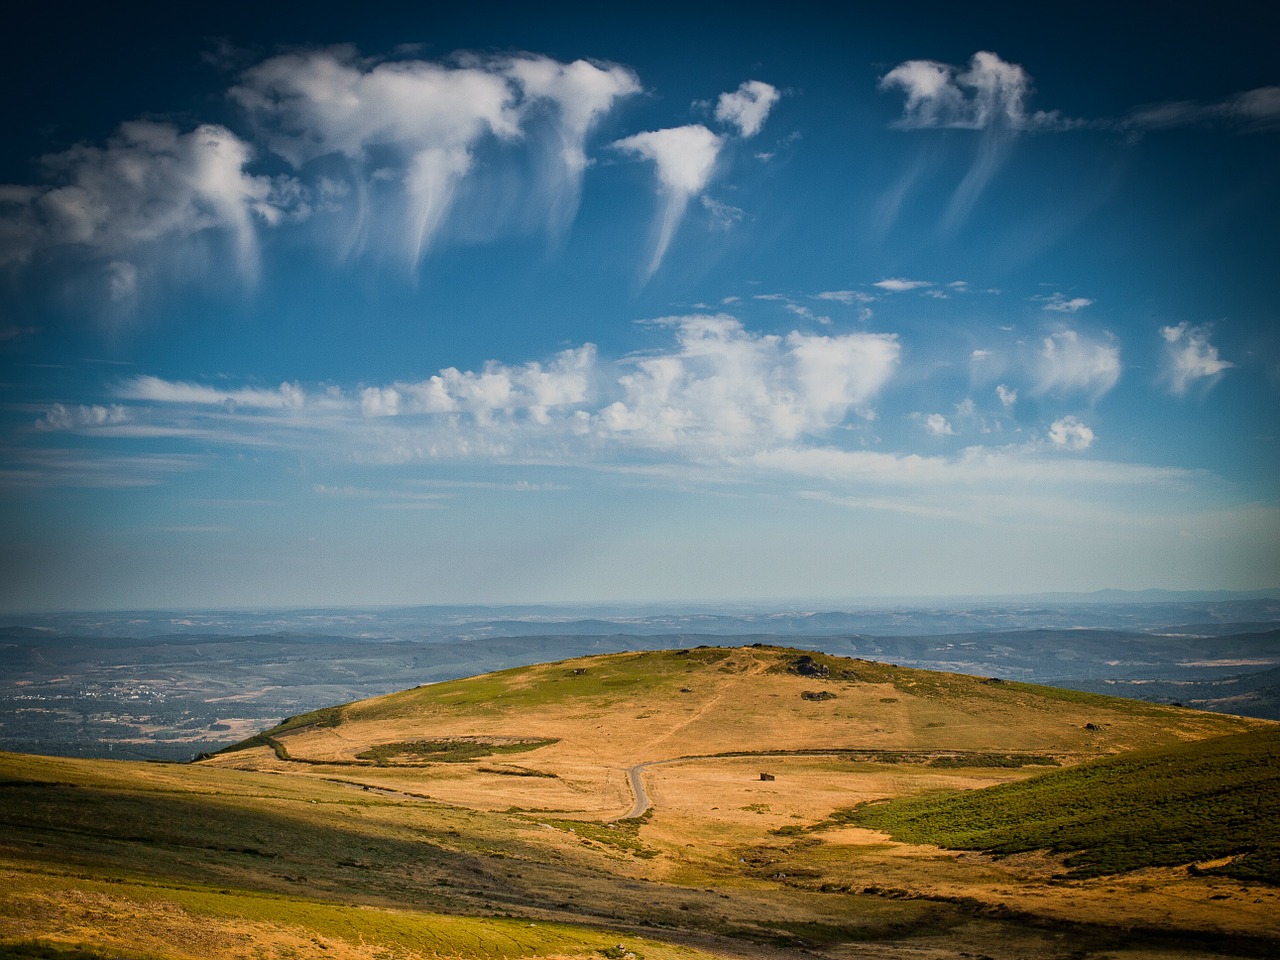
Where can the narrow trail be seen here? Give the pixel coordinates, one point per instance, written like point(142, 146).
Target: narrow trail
point(726, 689)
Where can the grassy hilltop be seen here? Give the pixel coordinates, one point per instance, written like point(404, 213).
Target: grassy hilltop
point(489, 817)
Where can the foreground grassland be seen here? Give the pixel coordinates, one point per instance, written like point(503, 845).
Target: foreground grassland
point(487, 818)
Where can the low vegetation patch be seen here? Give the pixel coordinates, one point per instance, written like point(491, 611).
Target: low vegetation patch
point(1214, 799)
point(451, 749)
point(1013, 761)
point(518, 772)
point(622, 835)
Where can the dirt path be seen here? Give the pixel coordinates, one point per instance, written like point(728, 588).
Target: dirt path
point(725, 689)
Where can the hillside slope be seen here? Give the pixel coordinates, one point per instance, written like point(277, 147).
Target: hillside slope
point(579, 724)
point(484, 818)
point(1213, 800)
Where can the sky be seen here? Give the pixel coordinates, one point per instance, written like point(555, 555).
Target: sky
point(306, 304)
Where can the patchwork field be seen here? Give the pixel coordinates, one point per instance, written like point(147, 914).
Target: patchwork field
point(711, 802)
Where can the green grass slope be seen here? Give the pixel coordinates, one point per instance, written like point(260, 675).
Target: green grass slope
point(1184, 804)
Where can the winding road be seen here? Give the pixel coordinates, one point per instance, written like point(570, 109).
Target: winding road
point(642, 804)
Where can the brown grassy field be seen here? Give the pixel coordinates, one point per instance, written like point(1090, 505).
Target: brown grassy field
point(485, 820)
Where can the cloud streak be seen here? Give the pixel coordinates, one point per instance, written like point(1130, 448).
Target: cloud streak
point(1250, 111)
point(989, 95)
point(1071, 362)
point(379, 152)
point(149, 186)
point(411, 130)
point(1190, 358)
point(684, 159)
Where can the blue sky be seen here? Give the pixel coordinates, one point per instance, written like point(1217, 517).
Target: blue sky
point(697, 302)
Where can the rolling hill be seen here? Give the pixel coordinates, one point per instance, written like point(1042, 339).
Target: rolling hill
point(681, 803)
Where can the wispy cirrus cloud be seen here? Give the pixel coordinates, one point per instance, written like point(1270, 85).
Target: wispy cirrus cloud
point(988, 95)
point(684, 159)
point(1061, 303)
point(1251, 110)
point(1190, 358)
point(288, 396)
point(847, 297)
point(1002, 467)
point(380, 150)
point(989, 92)
point(1072, 362)
point(62, 416)
point(901, 285)
point(150, 186)
point(410, 129)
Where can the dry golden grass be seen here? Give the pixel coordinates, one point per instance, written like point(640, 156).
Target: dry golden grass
point(521, 854)
point(610, 713)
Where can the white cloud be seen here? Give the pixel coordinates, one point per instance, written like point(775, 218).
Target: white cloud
point(723, 215)
point(972, 468)
point(288, 396)
point(318, 103)
point(804, 313)
point(989, 93)
point(846, 297)
point(530, 390)
point(1068, 433)
point(1058, 303)
point(899, 285)
point(717, 389)
point(151, 186)
point(1069, 361)
point(1257, 109)
point(1190, 357)
point(685, 158)
point(382, 148)
point(747, 107)
point(725, 388)
point(1008, 397)
point(937, 425)
point(62, 417)
point(583, 92)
